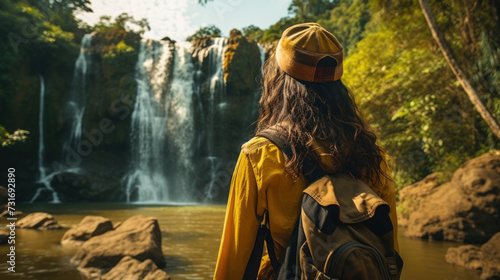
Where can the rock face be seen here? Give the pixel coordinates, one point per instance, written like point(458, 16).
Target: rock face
point(75, 187)
point(241, 63)
point(40, 221)
point(466, 209)
point(89, 227)
point(138, 237)
point(131, 269)
point(485, 258)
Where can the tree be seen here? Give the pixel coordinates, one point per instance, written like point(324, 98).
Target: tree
point(347, 21)
point(207, 31)
point(274, 32)
point(457, 70)
point(311, 10)
point(253, 32)
point(124, 22)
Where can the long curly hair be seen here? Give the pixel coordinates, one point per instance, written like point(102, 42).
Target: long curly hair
point(325, 112)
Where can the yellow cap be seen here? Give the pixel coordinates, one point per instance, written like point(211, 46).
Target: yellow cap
point(303, 46)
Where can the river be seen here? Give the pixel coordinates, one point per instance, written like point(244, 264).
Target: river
point(191, 236)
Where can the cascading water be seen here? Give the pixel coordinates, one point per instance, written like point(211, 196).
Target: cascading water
point(75, 110)
point(43, 178)
point(76, 105)
point(147, 181)
point(179, 104)
point(216, 101)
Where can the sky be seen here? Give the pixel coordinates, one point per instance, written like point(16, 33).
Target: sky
point(178, 19)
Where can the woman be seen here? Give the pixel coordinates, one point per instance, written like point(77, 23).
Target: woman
point(305, 99)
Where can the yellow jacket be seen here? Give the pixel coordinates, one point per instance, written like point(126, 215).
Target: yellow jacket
point(260, 182)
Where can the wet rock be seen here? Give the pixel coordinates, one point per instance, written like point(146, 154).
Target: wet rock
point(491, 258)
point(131, 269)
point(468, 256)
point(89, 227)
point(40, 221)
point(466, 209)
point(73, 187)
point(485, 258)
point(138, 237)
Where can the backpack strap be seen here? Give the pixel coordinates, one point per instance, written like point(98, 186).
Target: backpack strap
point(255, 258)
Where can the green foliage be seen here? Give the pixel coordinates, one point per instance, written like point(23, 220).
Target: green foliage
point(123, 22)
point(427, 124)
point(347, 21)
point(253, 32)
point(7, 139)
point(311, 10)
point(274, 32)
point(207, 31)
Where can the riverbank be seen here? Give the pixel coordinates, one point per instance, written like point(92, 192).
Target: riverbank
point(190, 241)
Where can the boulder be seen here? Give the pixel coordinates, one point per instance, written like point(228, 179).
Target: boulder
point(485, 258)
point(4, 236)
point(138, 237)
point(8, 213)
point(90, 226)
point(131, 269)
point(491, 258)
point(469, 256)
point(40, 221)
point(466, 209)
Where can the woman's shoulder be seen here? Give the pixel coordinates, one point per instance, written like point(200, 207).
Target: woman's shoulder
point(258, 144)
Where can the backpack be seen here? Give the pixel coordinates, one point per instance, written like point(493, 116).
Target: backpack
point(343, 230)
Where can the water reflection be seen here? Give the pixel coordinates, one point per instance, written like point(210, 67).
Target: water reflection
point(191, 236)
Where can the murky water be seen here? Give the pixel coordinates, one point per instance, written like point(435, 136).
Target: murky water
point(191, 236)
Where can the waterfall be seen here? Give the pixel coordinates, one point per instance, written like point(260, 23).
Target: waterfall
point(216, 101)
point(76, 105)
point(149, 121)
point(43, 178)
point(75, 110)
point(262, 55)
point(181, 124)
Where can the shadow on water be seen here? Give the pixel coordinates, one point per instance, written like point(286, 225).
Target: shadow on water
point(190, 243)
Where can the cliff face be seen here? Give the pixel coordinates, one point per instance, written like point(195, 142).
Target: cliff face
point(228, 98)
point(241, 64)
point(224, 95)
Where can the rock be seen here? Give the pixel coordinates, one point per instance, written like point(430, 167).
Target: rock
point(6, 213)
point(411, 196)
point(73, 187)
point(90, 226)
point(491, 258)
point(138, 237)
point(466, 209)
point(241, 64)
point(40, 221)
point(468, 256)
point(4, 236)
point(131, 269)
point(485, 258)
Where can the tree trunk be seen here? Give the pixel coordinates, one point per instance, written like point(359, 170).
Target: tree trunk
point(457, 70)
